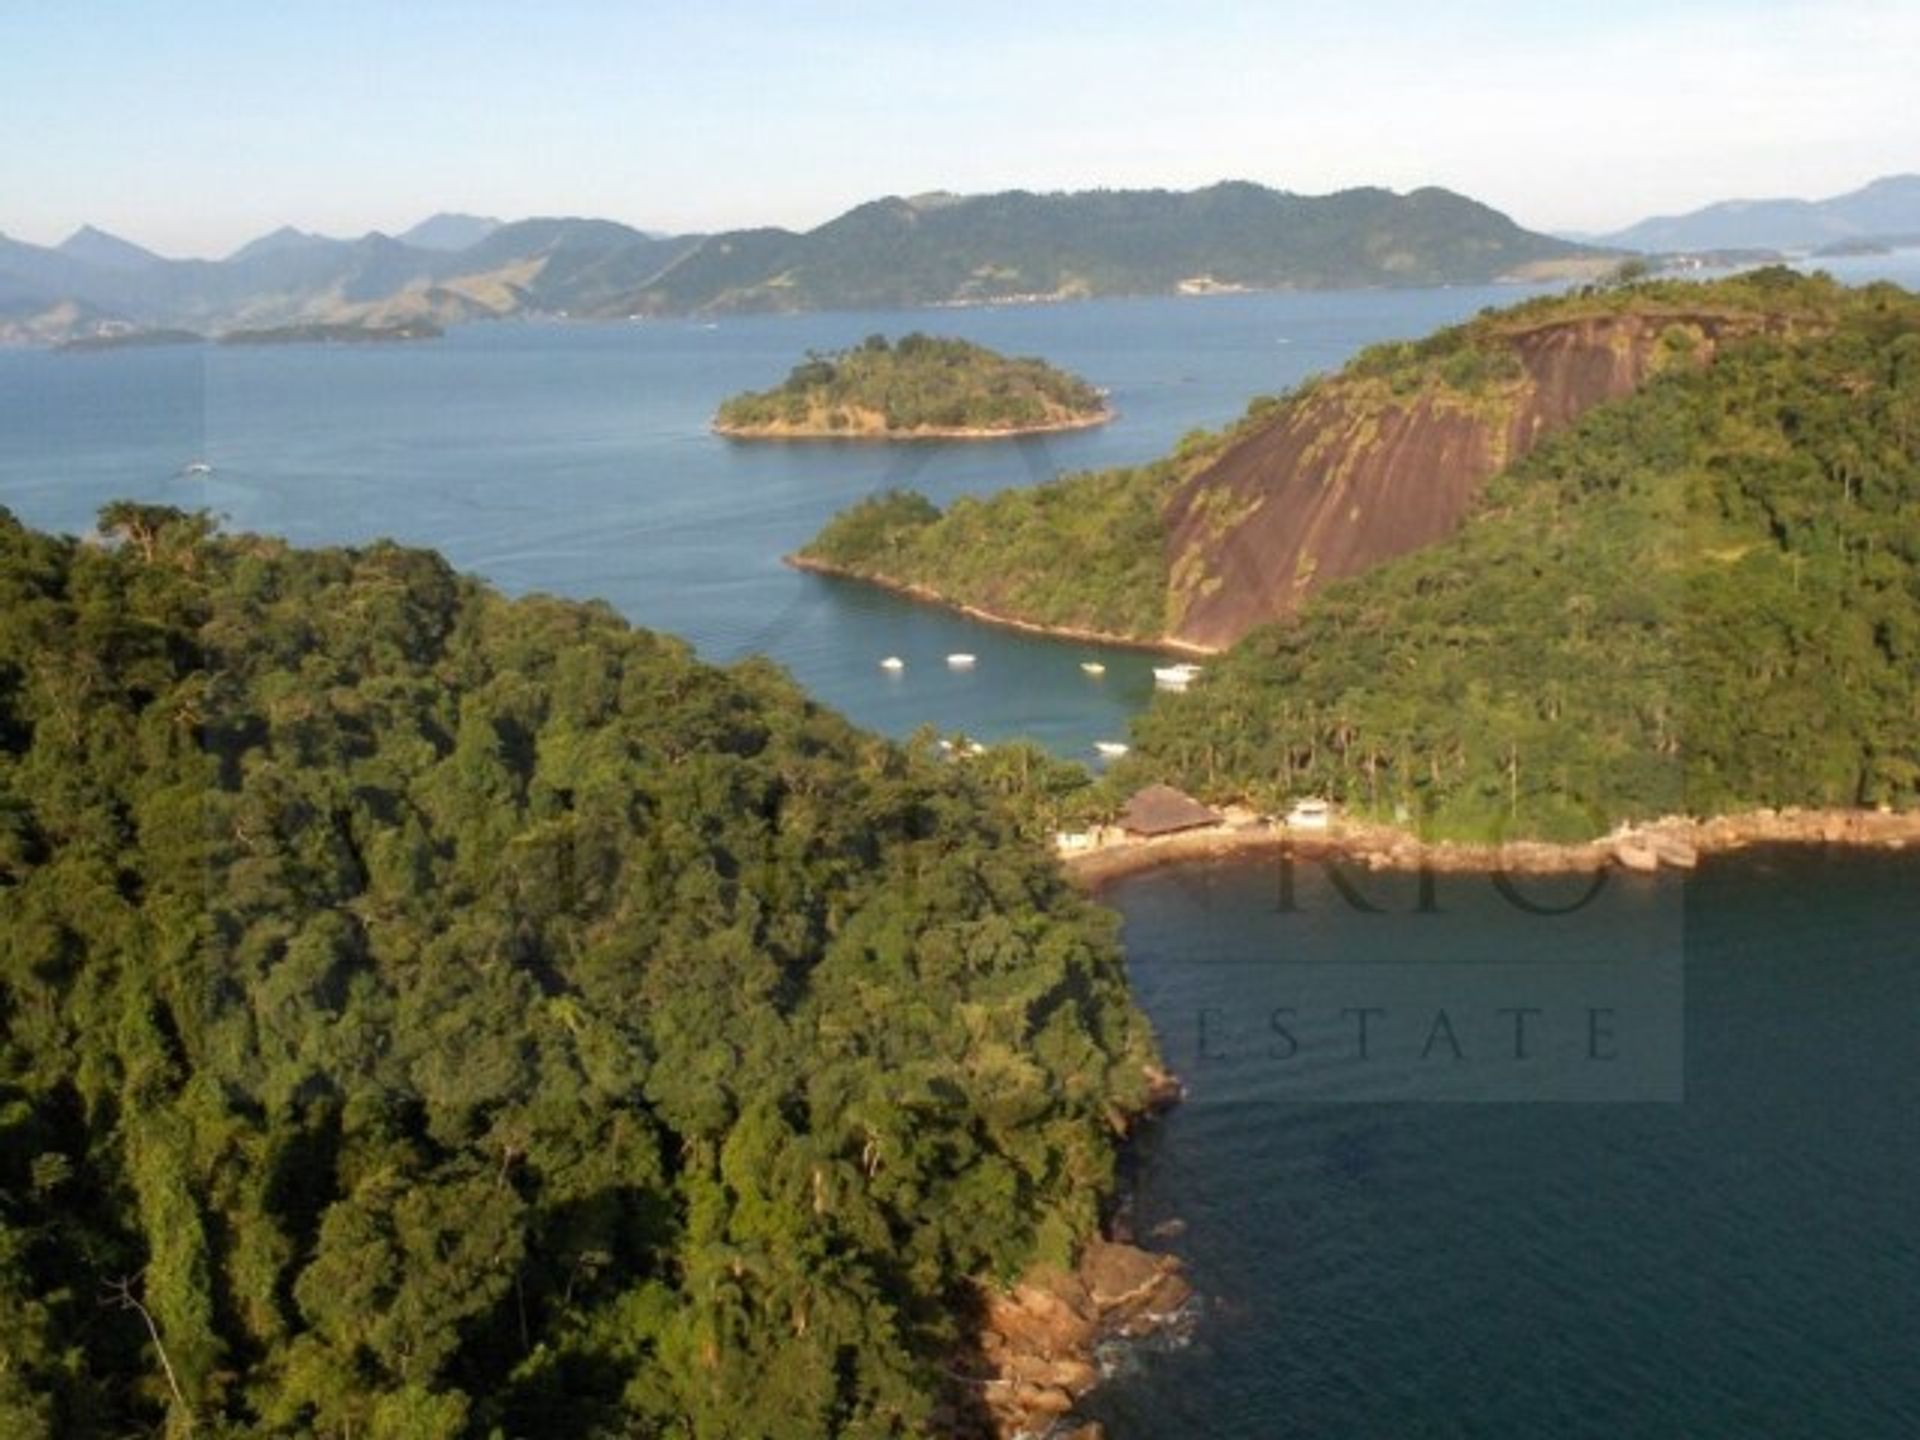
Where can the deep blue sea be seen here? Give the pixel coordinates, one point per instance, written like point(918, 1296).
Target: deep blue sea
point(1694, 1213)
point(1640, 1163)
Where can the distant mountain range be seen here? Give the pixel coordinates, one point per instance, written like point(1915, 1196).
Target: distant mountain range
point(948, 249)
point(449, 232)
point(1888, 209)
point(935, 249)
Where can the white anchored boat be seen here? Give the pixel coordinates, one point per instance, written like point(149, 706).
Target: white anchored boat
point(960, 661)
point(1174, 677)
point(1110, 749)
point(893, 663)
point(1093, 667)
point(1310, 814)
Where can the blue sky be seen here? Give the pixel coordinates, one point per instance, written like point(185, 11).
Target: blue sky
point(193, 125)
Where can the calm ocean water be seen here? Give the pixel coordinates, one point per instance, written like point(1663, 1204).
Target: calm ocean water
point(1726, 1247)
point(575, 459)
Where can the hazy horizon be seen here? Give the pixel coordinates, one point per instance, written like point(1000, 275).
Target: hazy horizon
point(202, 125)
point(400, 227)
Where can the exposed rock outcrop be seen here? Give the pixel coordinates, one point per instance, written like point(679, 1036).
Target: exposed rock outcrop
point(1354, 472)
point(1037, 1342)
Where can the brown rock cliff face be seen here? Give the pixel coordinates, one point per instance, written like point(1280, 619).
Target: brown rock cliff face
point(1037, 1342)
point(1352, 475)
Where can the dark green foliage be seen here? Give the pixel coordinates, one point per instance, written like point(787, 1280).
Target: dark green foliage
point(428, 1015)
point(1704, 597)
point(921, 383)
point(1084, 552)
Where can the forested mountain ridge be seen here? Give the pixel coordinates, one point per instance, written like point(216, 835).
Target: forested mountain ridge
point(947, 249)
point(429, 1015)
point(1703, 598)
point(1241, 527)
point(932, 250)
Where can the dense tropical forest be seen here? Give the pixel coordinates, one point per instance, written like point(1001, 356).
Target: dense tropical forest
point(921, 385)
point(424, 1014)
point(1704, 598)
point(1084, 552)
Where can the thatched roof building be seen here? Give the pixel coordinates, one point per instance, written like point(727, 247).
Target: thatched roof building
point(1163, 810)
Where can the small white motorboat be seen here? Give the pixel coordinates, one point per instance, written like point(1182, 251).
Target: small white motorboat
point(1175, 677)
point(894, 663)
point(1093, 667)
point(1110, 749)
point(961, 661)
point(1310, 814)
point(196, 467)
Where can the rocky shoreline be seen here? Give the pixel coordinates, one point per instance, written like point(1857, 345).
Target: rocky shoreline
point(1674, 842)
point(1038, 1342)
point(1035, 1351)
point(928, 596)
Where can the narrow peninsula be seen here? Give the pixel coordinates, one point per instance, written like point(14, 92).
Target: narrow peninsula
point(921, 387)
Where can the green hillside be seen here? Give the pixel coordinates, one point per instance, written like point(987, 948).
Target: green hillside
point(959, 249)
point(424, 1014)
point(1084, 552)
point(1141, 552)
point(1704, 597)
point(920, 385)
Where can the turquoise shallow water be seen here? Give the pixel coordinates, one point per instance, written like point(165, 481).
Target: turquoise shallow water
point(576, 459)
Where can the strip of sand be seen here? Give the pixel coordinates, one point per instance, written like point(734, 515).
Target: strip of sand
point(1673, 842)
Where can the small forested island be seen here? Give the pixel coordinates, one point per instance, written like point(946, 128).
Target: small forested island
point(921, 387)
point(131, 340)
point(426, 1014)
point(1590, 560)
point(328, 333)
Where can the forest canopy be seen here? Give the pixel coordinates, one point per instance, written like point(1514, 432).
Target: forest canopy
point(920, 385)
point(1704, 597)
point(424, 1014)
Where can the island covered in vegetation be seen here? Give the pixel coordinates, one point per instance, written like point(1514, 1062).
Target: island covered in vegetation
point(134, 339)
point(921, 387)
point(1588, 561)
point(425, 1014)
point(314, 332)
